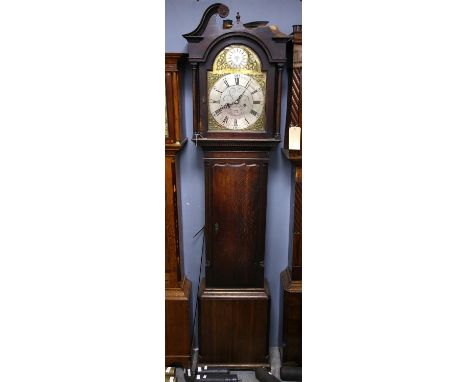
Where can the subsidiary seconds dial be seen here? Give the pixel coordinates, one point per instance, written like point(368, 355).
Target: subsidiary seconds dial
point(236, 101)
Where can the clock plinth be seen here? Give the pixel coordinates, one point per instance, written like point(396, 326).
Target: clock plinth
point(234, 326)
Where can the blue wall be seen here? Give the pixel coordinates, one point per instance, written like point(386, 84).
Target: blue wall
point(182, 16)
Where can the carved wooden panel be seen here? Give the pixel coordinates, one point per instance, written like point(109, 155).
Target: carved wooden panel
point(296, 97)
point(236, 201)
point(297, 228)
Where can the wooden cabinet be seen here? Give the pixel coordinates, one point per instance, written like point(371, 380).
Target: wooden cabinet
point(292, 319)
point(178, 324)
point(291, 277)
point(239, 337)
point(178, 287)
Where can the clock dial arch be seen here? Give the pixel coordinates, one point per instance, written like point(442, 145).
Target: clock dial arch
point(236, 90)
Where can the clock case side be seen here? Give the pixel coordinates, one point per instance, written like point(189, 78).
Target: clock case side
point(178, 300)
point(173, 145)
point(291, 277)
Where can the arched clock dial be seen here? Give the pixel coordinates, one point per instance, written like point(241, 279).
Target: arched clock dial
point(236, 101)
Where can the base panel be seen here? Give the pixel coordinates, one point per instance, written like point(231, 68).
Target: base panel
point(292, 320)
point(234, 327)
point(178, 328)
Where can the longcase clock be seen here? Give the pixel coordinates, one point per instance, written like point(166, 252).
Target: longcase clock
point(178, 287)
point(236, 81)
point(291, 277)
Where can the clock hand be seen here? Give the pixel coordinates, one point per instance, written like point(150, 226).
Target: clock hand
point(225, 106)
point(246, 86)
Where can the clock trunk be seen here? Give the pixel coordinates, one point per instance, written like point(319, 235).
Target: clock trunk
point(236, 191)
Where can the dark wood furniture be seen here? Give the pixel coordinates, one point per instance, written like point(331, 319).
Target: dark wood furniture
point(291, 277)
point(236, 191)
point(178, 287)
point(236, 82)
point(234, 326)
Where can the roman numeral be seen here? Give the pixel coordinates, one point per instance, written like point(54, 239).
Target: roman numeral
point(235, 123)
point(219, 91)
point(237, 80)
point(256, 90)
point(227, 84)
point(253, 112)
point(218, 112)
point(225, 120)
point(256, 102)
point(214, 101)
point(248, 123)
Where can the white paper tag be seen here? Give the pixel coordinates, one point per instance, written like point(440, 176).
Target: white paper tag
point(198, 377)
point(168, 370)
point(189, 372)
point(294, 138)
point(199, 368)
point(204, 377)
point(206, 367)
point(171, 379)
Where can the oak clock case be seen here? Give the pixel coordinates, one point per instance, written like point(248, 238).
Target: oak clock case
point(177, 286)
point(236, 87)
